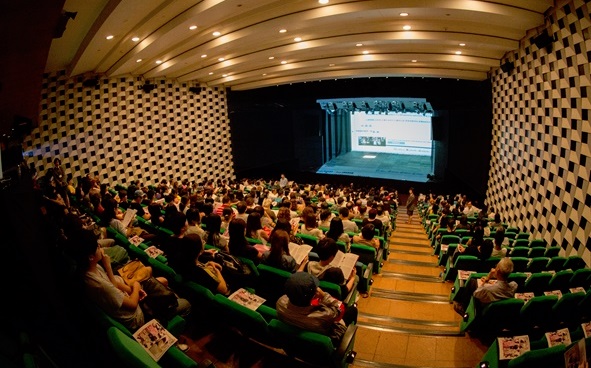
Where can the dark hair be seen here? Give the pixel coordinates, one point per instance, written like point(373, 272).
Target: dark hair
point(368, 231)
point(214, 223)
point(499, 236)
point(253, 223)
point(326, 248)
point(176, 222)
point(193, 215)
point(282, 224)
point(344, 211)
point(279, 241)
point(336, 228)
point(486, 249)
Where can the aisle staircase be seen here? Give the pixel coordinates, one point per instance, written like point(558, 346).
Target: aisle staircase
point(407, 320)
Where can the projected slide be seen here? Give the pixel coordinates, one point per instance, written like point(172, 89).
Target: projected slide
point(402, 134)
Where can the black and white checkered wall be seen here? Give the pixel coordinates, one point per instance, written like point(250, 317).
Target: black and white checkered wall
point(121, 133)
point(541, 153)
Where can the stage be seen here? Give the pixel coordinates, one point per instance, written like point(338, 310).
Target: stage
point(383, 166)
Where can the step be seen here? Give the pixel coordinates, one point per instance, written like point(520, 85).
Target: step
point(413, 277)
point(409, 296)
point(413, 263)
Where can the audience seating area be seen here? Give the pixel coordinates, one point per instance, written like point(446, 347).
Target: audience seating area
point(554, 292)
point(261, 325)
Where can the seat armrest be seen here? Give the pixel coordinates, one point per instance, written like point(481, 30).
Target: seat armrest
point(346, 345)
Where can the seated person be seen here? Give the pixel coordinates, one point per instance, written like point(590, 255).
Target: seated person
point(372, 219)
point(119, 300)
point(194, 224)
point(306, 306)
point(488, 293)
point(238, 244)
point(278, 256)
point(337, 232)
point(327, 250)
point(310, 225)
point(348, 225)
point(136, 204)
point(367, 237)
point(187, 263)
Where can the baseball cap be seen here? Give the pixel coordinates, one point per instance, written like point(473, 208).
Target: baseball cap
point(139, 193)
point(301, 288)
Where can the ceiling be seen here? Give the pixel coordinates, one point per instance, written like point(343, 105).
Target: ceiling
point(340, 39)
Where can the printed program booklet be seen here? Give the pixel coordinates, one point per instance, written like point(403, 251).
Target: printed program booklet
point(586, 326)
point(247, 299)
point(524, 296)
point(128, 217)
point(558, 337)
point(136, 240)
point(346, 262)
point(512, 347)
point(153, 252)
point(464, 275)
point(299, 252)
point(576, 356)
point(578, 289)
point(558, 293)
point(156, 339)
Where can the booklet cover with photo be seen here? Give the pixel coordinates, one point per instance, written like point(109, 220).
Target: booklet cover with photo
point(463, 275)
point(524, 296)
point(153, 252)
point(558, 337)
point(576, 356)
point(578, 289)
point(513, 346)
point(558, 293)
point(136, 240)
point(586, 326)
point(155, 339)
point(247, 299)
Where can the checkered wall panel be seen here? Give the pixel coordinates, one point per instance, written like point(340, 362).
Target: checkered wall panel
point(120, 132)
point(541, 156)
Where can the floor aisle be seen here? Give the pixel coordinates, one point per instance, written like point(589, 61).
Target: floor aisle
point(407, 320)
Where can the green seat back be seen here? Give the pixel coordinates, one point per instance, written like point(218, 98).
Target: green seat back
point(129, 351)
point(574, 263)
point(519, 263)
point(580, 278)
point(537, 252)
point(306, 345)
point(367, 254)
point(271, 282)
point(308, 239)
point(249, 322)
point(566, 310)
point(549, 357)
point(560, 280)
point(521, 243)
point(523, 235)
point(537, 283)
point(534, 314)
point(556, 263)
point(538, 264)
point(552, 252)
point(538, 243)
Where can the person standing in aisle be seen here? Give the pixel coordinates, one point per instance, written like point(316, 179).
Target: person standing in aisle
point(410, 204)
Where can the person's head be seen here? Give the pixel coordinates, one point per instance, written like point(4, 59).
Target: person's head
point(301, 288)
point(87, 250)
point(177, 223)
point(227, 214)
point(411, 190)
point(344, 212)
point(372, 213)
point(193, 216)
point(504, 268)
point(336, 228)
point(237, 229)
point(486, 249)
point(284, 213)
point(57, 162)
point(253, 223)
point(497, 218)
point(279, 245)
point(368, 231)
point(499, 237)
point(310, 219)
point(325, 215)
point(241, 207)
point(282, 224)
point(214, 223)
point(327, 249)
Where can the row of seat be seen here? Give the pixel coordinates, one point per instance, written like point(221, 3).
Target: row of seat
point(536, 316)
point(539, 355)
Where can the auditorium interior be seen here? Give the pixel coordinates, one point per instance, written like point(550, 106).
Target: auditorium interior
point(213, 91)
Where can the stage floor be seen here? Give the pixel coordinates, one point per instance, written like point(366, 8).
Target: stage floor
point(383, 166)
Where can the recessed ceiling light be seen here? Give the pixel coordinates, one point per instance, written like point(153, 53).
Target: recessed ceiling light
point(216, 33)
point(406, 28)
point(458, 53)
point(110, 37)
point(330, 64)
point(221, 59)
point(138, 61)
point(204, 55)
point(365, 52)
point(404, 14)
point(264, 74)
point(297, 39)
point(158, 61)
point(462, 44)
point(414, 61)
point(135, 39)
point(210, 73)
point(284, 62)
point(283, 30)
point(271, 57)
point(193, 28)
point(323, 2)
point(224, 75)
point(359, 44)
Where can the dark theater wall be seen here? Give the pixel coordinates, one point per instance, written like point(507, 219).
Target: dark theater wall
point(541, 156)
